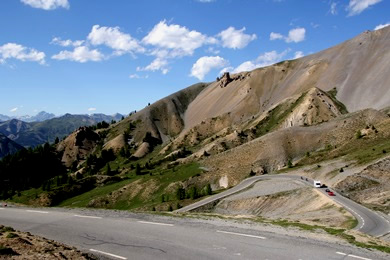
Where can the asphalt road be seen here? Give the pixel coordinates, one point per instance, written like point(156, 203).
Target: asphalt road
point(369, 222)
point(122, 235)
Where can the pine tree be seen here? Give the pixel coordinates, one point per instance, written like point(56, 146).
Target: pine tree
point(180, 193)
point(108, 171)
point(289, 164)
point(208, 189)
point(137, 169)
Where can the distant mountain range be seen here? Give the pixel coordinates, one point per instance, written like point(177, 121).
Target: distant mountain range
point(30, 134)
point(41, 116)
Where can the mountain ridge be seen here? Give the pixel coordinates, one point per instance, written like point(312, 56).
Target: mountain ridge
point(7, 146)
point(211, 136)
point(36, 133)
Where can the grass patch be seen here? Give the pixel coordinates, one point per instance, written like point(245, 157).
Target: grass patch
point(351, 223)
point(369, 150)
point(83, 199)
point(11, 235)
point(276, 116)
point(163, 177)
point(26, 196)
point(361, 151)
point(340, 106)
point(7, 229)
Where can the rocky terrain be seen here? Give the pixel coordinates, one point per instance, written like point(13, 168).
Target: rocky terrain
point(203, 110)
point(286, 199)
point(370, 186)
point(324, 115)
point(22, 245)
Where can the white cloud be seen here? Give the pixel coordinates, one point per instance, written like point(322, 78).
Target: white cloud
point(265, 59)
point(226, 69)
point(333, 8)
point(355, 7)
point(66, 43)
point(19, 52)
point(155, 65)
point(380, 26)
point(112, 37)
point(235, 39)
point(205, 64)
point(275, 36)
point(178, 39)
point(246, 66)
point(92, 109)
point(294, 35)
point(80, 54)
point(47, 4)
point(136, 76)
point(13, 110)
point(271, 57)
point(298, 54)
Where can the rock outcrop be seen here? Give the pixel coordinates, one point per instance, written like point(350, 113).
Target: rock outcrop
point(78, 145)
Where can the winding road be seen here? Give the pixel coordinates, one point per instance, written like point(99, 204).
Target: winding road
point(124, 235)
point(369, 222)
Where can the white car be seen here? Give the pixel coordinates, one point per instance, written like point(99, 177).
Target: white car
point(317, 184)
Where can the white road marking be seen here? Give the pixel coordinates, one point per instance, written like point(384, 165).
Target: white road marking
point(37, 211)
point(354, 256)
point(81, 216)
point(155, 223)
point(359, 257)
point(219, 247)
point(239, 234)
point(109, 254)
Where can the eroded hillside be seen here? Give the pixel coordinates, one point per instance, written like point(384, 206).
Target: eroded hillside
point(355, 72)
point(211, 136)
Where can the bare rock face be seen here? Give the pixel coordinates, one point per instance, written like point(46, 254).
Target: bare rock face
point(225, 80)
point(370, 187)
point(78, 145)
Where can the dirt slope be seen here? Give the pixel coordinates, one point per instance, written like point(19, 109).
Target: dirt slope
point(370, 187)
point(285, 199)
point(358, 68)
point(22, 245)
point(272, 151)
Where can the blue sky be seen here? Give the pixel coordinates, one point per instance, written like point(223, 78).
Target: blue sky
point(102, 56)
